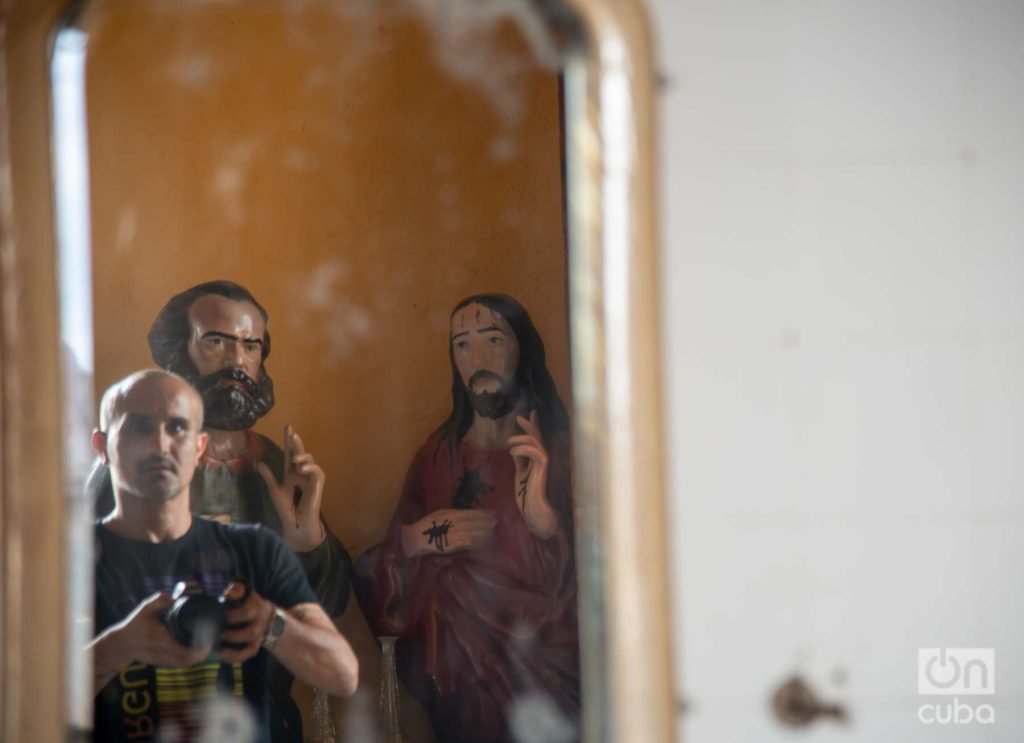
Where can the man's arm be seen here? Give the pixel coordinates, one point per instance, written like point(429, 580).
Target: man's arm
point(306, 642)
point(140, 637)
point(310, 646)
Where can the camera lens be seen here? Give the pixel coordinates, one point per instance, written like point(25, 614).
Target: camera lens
point(195, 619)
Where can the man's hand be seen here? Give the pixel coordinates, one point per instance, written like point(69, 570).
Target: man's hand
point(249, 621)
point(141, 637)
point(448, 530)
point(531, 459)
point(297, 499)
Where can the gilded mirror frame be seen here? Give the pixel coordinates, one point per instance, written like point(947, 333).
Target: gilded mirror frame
point(625, 636)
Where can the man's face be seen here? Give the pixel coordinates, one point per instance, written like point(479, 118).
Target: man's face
point(154, 441)
point(225, 335)
point(486, 355)
point(226, 347)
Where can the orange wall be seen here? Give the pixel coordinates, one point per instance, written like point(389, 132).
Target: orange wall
point(329, 164)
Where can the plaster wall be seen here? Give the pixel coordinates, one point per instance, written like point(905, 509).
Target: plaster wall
point(843, 206)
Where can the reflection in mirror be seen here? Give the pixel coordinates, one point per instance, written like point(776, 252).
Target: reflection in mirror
point(384, 186)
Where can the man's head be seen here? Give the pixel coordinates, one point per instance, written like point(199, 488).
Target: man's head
point(485, 354)
point(215, 335)
point(150, 434)
point(498, 363)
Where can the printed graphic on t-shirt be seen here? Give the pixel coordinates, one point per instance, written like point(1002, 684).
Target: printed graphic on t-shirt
point(169, 699)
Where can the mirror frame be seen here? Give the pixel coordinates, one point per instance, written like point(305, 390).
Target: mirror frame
point(624, 600)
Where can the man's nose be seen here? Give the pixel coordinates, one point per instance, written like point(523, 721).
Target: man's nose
point(234, 358)
point(477, 356)
point(164, 439)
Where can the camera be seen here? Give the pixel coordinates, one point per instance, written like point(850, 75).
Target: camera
point(197, 618)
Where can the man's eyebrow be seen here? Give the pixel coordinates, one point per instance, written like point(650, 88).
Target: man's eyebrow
point(228, 336)
point(488, 329)
point(135, 421)
point(143, 418)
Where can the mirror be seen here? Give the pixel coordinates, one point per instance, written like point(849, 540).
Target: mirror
point(323, 156)
point(360, 169)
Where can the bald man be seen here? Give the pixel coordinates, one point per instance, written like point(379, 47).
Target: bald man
point(148, 684)
point(216, 335)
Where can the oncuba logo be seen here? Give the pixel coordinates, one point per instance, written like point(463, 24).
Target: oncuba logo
point(956, 672)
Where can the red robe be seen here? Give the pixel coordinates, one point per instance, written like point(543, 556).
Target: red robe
point(478, 629)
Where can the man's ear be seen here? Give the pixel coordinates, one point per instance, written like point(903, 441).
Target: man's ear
point(99, 445)
point(201, 441)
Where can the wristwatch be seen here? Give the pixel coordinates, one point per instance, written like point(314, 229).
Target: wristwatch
point(275, 629)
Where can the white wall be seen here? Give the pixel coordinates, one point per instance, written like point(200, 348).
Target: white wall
point(843, 214)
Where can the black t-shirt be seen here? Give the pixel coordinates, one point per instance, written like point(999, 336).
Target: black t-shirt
point(143, 701)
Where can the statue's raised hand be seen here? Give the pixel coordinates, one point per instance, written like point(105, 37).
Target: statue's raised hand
point(531, 485)
point(297, 498)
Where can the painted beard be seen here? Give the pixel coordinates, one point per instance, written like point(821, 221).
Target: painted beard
point(496, 404)
point(235, 407)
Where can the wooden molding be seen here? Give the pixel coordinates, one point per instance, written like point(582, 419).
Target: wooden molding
point(617, 378)
point(31, 488)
